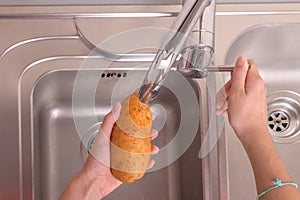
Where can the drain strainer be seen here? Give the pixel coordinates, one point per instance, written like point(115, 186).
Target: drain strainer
point(88, 139)
point(283, 115)
point(278, 121)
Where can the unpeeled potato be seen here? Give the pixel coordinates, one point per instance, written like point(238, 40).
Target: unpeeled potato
point(130, 149)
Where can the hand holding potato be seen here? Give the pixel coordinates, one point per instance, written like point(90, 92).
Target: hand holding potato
point(131, 140)
point(95, 180)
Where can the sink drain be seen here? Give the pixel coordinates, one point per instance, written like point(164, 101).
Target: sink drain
point(278, 121)
point(283, 115)
point(88, 140)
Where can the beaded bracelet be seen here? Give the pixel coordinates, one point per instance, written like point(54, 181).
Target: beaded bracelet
point(277, 183)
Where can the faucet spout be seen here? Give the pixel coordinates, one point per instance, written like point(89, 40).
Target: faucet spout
point(192, 11)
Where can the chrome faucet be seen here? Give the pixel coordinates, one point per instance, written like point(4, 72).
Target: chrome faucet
point(193, 60)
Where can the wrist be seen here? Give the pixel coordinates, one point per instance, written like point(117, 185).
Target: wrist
point(99, 176)
point(81, 187)
point(89, 184)
point(250, 136)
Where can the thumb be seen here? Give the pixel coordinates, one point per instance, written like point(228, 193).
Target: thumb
point(110, 119)
point(100, 148)
point(239, 74)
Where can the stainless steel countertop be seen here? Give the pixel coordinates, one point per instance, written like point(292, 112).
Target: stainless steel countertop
point(124, 2)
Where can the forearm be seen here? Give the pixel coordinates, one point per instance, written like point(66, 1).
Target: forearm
point(267, 165)
point(243, 99)
point(82, 187)
point(95, 181)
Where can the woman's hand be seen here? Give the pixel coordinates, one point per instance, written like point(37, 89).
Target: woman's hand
point(243, 99)
point(95, 179)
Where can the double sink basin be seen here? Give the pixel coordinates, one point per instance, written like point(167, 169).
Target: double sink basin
point(59, 94)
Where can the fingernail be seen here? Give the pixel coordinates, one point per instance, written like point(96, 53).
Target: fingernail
point(151, 164)
point(154, 134)
point(116, 110)
point(240, 62)
point(155, 150)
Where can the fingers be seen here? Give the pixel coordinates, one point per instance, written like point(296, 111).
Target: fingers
point(253, 70)
point(110, 119)
point(116, 111)
point(151, 163)
point(154, 134)
point(239, 74)
point(153, 116)
point(254, 80)
point(155, 150)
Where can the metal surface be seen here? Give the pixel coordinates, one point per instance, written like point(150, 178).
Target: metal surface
point(57, 150)
point(39, 59)
point(194, 58)
point(200, 57)
point(274, 47)
point(249, 13)
point(220, 68)
point(87, 2)
point(284, 112)
point(104, 2)
point(176, 39)
point(86, 15)
point(278, 121)
point(256, 1)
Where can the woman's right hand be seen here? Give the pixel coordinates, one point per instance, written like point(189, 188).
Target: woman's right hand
point(243, 99)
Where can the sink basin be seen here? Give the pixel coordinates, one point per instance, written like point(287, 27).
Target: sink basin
point(274, 47)
point(61, 121)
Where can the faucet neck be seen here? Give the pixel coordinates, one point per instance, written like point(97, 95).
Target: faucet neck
point(192, 11)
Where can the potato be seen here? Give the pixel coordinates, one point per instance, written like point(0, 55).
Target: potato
point(130, 148)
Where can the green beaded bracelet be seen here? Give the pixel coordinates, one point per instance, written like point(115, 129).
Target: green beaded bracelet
point(277, 183)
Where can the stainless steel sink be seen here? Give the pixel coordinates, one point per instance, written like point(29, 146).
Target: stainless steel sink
point(58, 150)
point(41, 56)
point(274, 47)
